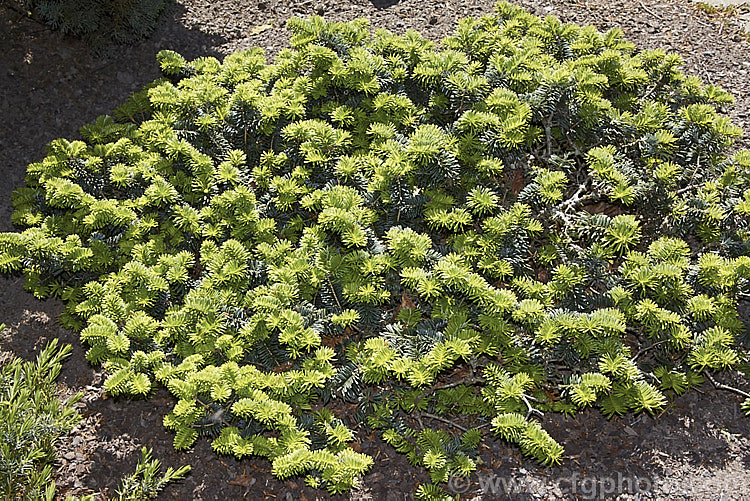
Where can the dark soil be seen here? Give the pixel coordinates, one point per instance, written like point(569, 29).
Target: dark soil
point(698, 448)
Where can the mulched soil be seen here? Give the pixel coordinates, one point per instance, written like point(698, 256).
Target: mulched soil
point(698, 448)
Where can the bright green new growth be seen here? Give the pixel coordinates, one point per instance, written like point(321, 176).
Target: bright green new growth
point(534, 217)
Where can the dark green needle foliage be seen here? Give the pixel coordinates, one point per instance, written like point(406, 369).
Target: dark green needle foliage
point(377, 232)
point(101, 22)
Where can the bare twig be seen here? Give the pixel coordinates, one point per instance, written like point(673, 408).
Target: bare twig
point(215, 415)
point(722, 386)
point(532, 410)
point(467, 381)
point(652, 89)
point(559, 211)
point(442, 419)
point(684, 190)
point(657, 16)
point(333, 291)
point(647, 348)
point(577, 195)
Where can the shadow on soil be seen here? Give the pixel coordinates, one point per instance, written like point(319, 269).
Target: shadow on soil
point(37, 102)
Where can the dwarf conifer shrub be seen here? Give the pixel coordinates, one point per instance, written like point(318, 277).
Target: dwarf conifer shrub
point(101, 22)
point(376, 232)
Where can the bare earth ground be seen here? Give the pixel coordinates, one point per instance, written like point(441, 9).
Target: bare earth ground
point(698, 448)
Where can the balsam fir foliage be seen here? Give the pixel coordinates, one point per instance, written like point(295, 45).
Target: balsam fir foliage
point(101, 22)
point(533, 217)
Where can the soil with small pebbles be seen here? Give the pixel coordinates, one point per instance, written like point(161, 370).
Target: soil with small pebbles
point(50, 85)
